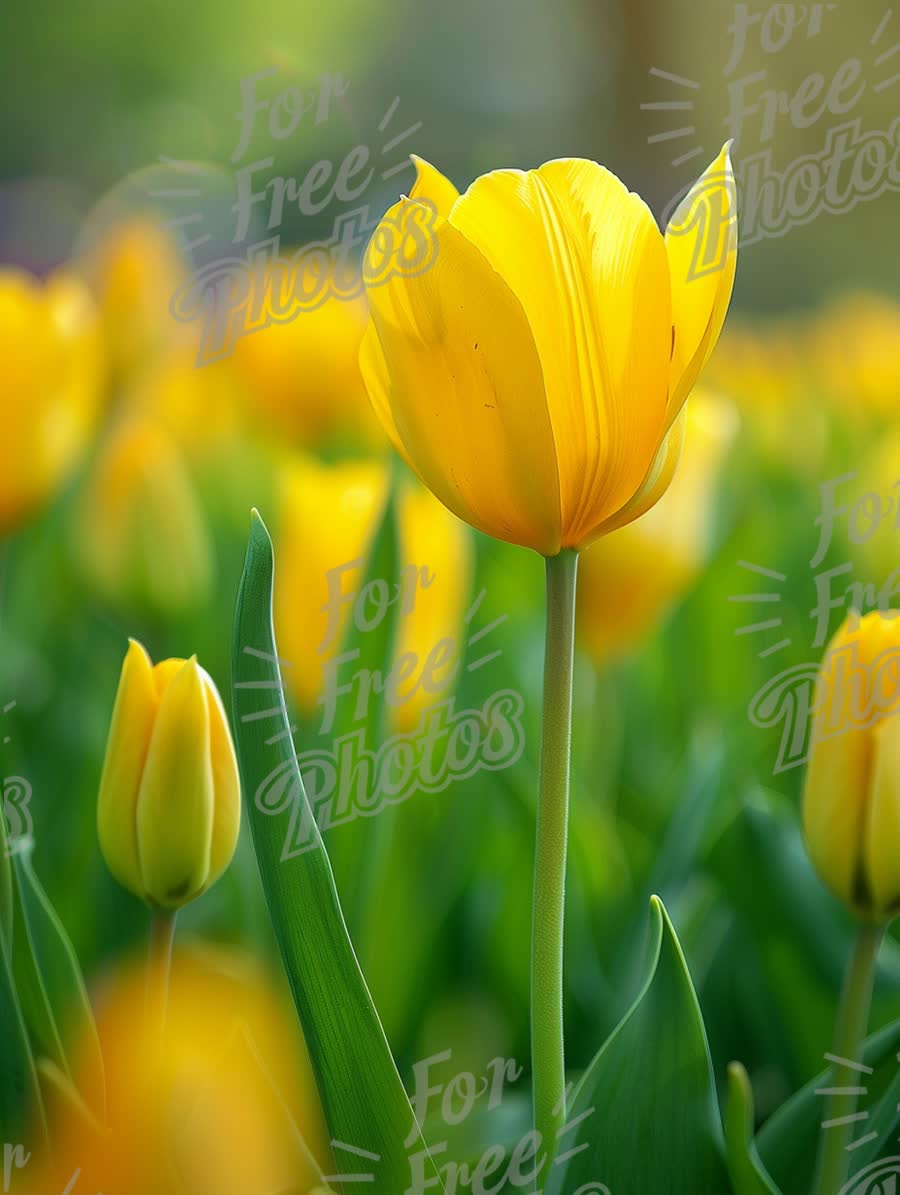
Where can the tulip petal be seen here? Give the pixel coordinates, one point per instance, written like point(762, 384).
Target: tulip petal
point(126, 753)
point(659, 478)
point(175, 803)
point(432, 187)
point(882, 831)
point(701, 242)
point(587, 262)
point(462, 380)
point(226, 824)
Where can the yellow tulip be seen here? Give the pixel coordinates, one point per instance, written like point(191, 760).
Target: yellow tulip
point(142, 535)
point(533, 375)
point(851, 804)
point(628, 580)
point(302, 378)
point(327, 518)
point(856, 346)
point(52, 388)
point(169, 809)
point(216, 1106)
point(135, 269)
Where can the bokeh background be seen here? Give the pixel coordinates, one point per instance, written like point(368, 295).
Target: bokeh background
point(141, 526)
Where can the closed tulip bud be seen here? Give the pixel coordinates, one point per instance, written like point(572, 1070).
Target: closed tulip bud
point(142, 535)
point(533, 341)
point(51, 349)
point(630, 579)
point(169, 809)
point(851, 804)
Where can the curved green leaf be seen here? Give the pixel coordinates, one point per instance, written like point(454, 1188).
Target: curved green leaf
point(363, 1099)
point(747, 1171)
point(644, 1116)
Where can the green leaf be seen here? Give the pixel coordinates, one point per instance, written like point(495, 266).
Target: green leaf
point(51, 988)
point(788, 1141)
point(20, 1095)
point(646, 1108)
point(747, 1171)
point(363, 1099)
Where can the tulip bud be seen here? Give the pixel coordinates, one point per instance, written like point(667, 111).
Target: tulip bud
point(851, 811)
point(142, 536)
point(169, 809)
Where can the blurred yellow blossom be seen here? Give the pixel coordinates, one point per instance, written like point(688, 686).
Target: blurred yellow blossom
point(223, 1105)
point(141, 533)
point(628, 580)
point(856, 349)
point(851, 815)
point(327, 518)
point(53, 375)
point(302, 378)
point(169, 809)
point(135, 269)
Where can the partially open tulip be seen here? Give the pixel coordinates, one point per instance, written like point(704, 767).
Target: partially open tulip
point(851, 805)
point(52, 386)
point(533, 374)
point(169, 808)
point(327, 519)
point(142, 535)
point(628, 580)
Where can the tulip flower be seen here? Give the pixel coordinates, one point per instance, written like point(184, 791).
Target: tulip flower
point(302, 379)
point(530, 358)
point(851, 817)
point(169, 808)
point(223, 1104)
point(142, 535)
point(628, 580)
point(328, 516)
point(851, 823)
point(52, 354)
point(135, 268)
point(534, 373)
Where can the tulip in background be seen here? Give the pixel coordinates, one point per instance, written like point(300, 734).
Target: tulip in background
point(534, 378)
point(851, 822)
point(327, 518)
point(53, 373)
point(141, 534)
point(630, 579)
point(302, 379)
point(169, 809)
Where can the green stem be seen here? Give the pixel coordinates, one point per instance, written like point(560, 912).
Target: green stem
point(547, 1041)
point(159, 968)
point(850, 1031)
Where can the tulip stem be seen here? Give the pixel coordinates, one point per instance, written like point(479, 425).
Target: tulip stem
point(547, 1040)
point(159, 967)
point(850, 1031)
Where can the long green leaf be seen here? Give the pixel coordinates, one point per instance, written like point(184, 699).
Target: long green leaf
point(747, 1171)
point(365, 1105)
point(644, 1116)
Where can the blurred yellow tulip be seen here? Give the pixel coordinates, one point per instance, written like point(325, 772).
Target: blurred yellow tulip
point(534, 374)
point(142, 536)
point(223, 1104)
point(53, 374)
point(302, 378)
point(851, 811)
point(628, 580)
point(856, 347)
point(765, 369)
point(169, 808)
point(327, 517)
point(135, 269)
